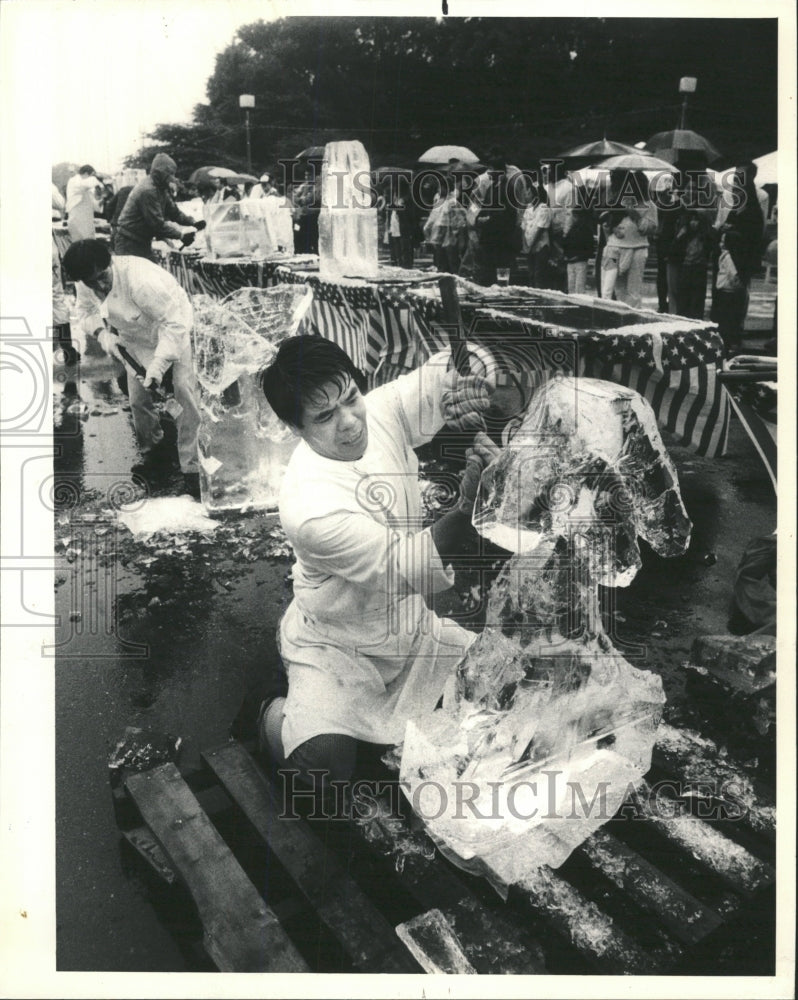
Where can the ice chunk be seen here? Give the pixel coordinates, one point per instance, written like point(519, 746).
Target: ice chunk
point(532, 751)
point(347, 220)
point(172, 514)
point(586, 463)
point(244, 448)
point(431, 940)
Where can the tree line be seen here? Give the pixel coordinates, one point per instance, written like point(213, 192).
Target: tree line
point(534, 86)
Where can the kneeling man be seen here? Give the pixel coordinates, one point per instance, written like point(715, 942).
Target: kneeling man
point(362, 650)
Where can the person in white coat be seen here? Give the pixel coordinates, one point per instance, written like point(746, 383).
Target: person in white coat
point(130, 301)
point(362, 650)
point(82, 202)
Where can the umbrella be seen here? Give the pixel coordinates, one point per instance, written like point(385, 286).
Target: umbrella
point(466, 168)
point(681, 145)
point(767, 168)
point(637, 160)
point(596, 150)
point(203, 173)
point(444, 154)
point(311, 153)
point(241, 179)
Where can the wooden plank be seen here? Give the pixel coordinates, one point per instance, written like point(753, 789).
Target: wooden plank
point(432, 941)
point(141, 839)
point(685, 917)
point(340, 903)
point(593, 933)
point(706, 773)
point(492, 943)
point(241, 932)
point(725, 858)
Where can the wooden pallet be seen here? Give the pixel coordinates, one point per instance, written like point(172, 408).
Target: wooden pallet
point(657, 889)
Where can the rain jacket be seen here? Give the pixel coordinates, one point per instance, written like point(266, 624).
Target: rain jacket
point(150, 212)
point(80, 206)
point(362, 650)
point(149, 309)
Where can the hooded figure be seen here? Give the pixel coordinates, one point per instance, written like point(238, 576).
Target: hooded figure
point(151, 213)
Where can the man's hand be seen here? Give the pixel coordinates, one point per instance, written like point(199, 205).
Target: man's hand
point(199, 226)
point(465, 403)
point(478, 458)
point(109, 341)
point(187, 238)
point(153, 375)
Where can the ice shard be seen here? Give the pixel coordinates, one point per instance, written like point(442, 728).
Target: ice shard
point(243, 447)
point(347, 221)
point(586, 462)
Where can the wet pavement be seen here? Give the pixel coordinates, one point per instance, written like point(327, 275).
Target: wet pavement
point(168, 635)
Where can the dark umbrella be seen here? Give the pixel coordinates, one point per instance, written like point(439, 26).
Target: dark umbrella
point(590, 153)
point(203, 174)
point(682, 146)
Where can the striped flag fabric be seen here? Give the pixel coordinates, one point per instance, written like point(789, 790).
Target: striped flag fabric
point(390, 328)
point(753, 393)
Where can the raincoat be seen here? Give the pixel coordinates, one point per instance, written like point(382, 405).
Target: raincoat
point(362, 650)
point(150, 212)
point(153, 317)
point(80, 206)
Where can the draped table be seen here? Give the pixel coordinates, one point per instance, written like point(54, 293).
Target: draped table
point(392, 324)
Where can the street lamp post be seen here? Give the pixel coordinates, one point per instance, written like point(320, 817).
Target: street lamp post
point(687, 85)
point(247, 101)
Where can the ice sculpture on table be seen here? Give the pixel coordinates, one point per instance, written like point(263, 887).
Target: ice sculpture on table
point(274, 213)
point(243, 447)
point(347, 221)
point(545, 727)
point(237, 229)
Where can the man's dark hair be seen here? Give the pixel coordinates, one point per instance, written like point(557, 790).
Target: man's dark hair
point(301, 369)
point(85, 258)
point(87, 168)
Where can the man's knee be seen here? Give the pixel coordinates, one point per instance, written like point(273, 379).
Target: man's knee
point(332, 756)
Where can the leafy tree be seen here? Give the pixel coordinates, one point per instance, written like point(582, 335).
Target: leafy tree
point(535, 86)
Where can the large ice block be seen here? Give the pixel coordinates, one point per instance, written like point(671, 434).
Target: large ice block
point(243, 447)
point(587, 464)
point(347, 220)
point(532, 751)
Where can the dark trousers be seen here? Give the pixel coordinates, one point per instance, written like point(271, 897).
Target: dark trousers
point(401, 251)
point(729, 311)
point(446, 259)
point(539, 266)
point(692, 290)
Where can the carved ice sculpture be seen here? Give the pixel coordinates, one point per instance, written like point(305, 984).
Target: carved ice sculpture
point(347, 221)
point(243, 447)
point(545, 727)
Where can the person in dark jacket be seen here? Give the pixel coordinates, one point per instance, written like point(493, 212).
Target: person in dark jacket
point(495, 236)
point(578, 249)
point(151, 213)
point(402, 223)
